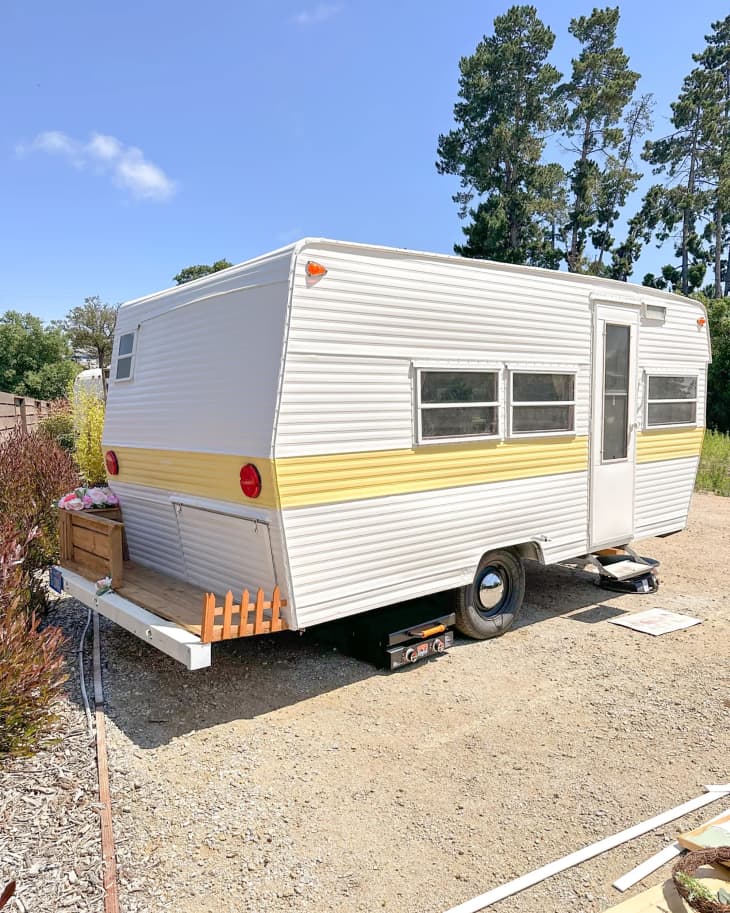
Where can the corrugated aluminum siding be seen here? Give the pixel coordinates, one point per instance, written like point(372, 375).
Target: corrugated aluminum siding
point(663, 493)
point(351, 557)
point(225, 553)
point(207, 364)
point(354, 338)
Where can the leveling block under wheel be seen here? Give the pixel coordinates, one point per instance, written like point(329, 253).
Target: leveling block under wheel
point(396, 636)
point(636, 580)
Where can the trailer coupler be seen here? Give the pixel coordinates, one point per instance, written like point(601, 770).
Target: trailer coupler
point(420, 641)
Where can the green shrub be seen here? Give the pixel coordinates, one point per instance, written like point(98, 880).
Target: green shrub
point(714, 470)
point(58, 425)
point(88, 417)
point(34, 472)
point(31, 662)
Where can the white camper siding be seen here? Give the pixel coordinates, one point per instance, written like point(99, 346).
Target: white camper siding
point(351, 557)
point(224, 552)
point(151, 528)
point(389, 304)
point(215, 547)
point(340, 405)
point(206, 364)
point(401, 311)
point(355, 339)
point(679, 341)
point(663, 492)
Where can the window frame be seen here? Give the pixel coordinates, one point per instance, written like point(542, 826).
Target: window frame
point(648, 374)
point(441, 368)
point(571, 372)
point(132, 356)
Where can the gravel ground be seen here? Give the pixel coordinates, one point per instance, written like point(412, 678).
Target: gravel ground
point(289, 777)
point(49, 819)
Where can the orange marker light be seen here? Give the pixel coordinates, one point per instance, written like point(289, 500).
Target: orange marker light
point(315, 270)
point(701, 321)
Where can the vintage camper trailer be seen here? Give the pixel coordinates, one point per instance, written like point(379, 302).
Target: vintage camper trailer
point(335, 427)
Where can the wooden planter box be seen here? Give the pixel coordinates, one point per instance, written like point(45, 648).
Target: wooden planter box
point(91, 543)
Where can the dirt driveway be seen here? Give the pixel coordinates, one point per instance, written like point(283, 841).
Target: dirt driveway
point(289, 777)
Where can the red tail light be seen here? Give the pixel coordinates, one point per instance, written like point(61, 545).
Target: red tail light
point(112, 463)
point(250, 481)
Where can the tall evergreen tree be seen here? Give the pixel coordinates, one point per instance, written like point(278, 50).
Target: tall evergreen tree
point(600, 88)
point(506, 91)
point(694, 201)
point(715, 61)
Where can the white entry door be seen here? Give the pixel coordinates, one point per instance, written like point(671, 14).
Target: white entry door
point(613, 428)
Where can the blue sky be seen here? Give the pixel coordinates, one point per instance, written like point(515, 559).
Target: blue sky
point(141, 137)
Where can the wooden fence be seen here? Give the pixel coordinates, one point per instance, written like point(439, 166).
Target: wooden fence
point(21, 412)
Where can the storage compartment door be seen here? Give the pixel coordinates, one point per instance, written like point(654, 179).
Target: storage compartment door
point(223, 552)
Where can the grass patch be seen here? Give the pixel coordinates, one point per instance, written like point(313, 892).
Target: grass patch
point(714, 471)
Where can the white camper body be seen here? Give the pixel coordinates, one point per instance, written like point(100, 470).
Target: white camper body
point(406, 414)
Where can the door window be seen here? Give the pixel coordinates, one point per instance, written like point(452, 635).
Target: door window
point(616, 392)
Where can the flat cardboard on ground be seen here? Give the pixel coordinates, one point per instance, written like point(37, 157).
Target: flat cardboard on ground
point(655, 621)
point(714, 833)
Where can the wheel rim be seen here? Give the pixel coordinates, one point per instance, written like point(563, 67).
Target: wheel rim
point(492, 590)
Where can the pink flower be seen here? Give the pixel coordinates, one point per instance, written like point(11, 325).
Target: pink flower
point(71, 502)
point(97, 496)
point(87, 501)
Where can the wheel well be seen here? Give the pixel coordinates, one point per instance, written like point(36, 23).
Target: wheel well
point(528, 550)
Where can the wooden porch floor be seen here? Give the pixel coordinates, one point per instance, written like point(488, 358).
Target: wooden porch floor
point(162, 595)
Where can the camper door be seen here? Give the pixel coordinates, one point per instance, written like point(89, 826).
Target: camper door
point(613, 424)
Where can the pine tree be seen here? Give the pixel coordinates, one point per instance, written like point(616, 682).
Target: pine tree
point(600, 88)
point(506, 91)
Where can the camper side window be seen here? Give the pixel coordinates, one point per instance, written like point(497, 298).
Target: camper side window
point(671, 400)
point(457, 404)
point(125, 357)
point(542, 403)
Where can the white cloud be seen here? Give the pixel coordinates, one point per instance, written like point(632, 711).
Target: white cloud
point(126, 165)
point(320, 13)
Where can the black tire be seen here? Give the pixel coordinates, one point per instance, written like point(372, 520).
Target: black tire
point(482, 619)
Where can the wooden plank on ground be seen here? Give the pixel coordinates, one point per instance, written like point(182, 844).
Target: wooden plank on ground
point(663, 898)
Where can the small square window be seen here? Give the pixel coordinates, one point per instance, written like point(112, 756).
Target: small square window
point(125, 356)
point(457, 404)
point(542, 403)
point(671, 400)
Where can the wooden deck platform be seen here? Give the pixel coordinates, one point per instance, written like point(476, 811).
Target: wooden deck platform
point(162, 595)
point(93, 547)
point(198, 611)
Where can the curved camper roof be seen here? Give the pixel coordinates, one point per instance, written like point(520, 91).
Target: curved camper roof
point(277, 263)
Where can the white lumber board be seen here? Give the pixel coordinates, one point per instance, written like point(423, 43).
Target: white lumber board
point(654, 862)
point(595, 849)
point(165, 635)
point(646, 868)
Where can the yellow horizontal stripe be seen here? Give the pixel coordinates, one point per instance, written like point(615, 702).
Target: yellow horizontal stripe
point(668, 444)
point(375, 474)
point(207, 475)
point(309, 480)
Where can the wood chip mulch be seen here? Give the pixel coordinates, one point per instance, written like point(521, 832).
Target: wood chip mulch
point(49, 811)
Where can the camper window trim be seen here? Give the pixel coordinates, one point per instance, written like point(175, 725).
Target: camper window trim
point(127, 356)
point(441, 368)
point(688, 374)
point(544, 432)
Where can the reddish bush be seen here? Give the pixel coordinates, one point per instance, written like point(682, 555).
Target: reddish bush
point(34, 472)
point(31, 662)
